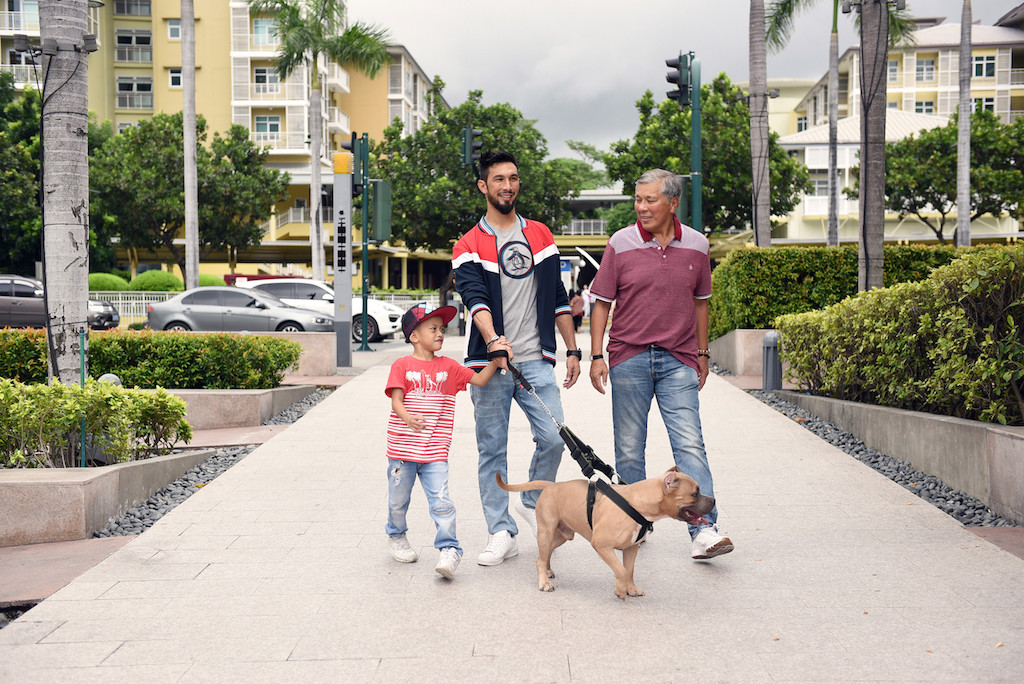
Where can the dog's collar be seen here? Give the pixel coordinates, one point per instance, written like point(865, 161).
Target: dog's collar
point(646, 526)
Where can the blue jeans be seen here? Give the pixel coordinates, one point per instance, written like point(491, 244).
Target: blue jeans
point(491, 407)
point(434, 480)
point(656, 373)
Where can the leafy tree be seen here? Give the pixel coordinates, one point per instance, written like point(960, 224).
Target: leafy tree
point(663, 141)
point(308, 29)
point(435, 198)
point(139, 181)
point(921, 177)
point(19, 208)
point(619, 216)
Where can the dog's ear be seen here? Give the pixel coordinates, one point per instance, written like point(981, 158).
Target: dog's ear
point(672, 479)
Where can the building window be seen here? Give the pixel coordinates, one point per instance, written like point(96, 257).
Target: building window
point(893, 72)
point(174, 77)
point(123, 126)
point(133, 46)
point(925, 70)
point(395, 79)
point(264, 31)
point(820, 187)
point(985, 66)
point(892, 105)
point(174, 29)
point(801, 123)
point(268, 128)
point(135, 92)
point(139, 8)
point(987, 104)
point(265, 80)
point(924, 107)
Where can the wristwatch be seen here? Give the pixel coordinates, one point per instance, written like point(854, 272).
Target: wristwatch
point(704, 352)
point(595, 357)
point(574, 352)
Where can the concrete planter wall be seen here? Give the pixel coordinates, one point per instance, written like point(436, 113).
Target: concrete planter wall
point(211, 409)
point(982, 459)
point(740, 351)
point(63, 504)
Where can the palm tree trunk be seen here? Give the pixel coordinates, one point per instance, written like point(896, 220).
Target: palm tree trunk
point(316, 237)
point(874, 40)
point(65, 121)
point(188, 83)
point(832, 239)
point(963, 140)
point(761, 197)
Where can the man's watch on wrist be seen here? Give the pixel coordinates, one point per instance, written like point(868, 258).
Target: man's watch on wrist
point(595, 357)
point(704, 352)
point(574, 352)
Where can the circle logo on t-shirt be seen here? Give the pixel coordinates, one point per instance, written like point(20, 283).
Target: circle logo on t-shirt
point(516, 259)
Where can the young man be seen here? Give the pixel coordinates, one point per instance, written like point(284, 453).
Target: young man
point(507, 272)
point(422, 387)
point(658, 274)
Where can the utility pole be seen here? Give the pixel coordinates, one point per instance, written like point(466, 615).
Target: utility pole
point(686, 76)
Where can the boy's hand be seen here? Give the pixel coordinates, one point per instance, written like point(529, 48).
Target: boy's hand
point(415, 422)
point(505, 345)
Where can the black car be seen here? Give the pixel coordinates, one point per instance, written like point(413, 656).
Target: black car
point(22, 306)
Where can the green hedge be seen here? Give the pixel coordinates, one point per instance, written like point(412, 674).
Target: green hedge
point(753, 286)
point(107, 282)
point(40, 425)
point(951, 344)
point(162, 359)
point(156, 281)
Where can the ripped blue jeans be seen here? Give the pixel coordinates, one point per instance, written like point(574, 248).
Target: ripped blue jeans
point(434, 480)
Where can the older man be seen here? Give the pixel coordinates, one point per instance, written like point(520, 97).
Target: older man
point(658, 273)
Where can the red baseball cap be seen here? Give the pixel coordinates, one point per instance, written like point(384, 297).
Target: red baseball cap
point(421, 311)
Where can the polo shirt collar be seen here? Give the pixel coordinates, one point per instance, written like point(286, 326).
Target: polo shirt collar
point(648, 236)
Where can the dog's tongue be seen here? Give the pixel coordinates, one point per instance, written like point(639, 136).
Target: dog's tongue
point(703, 521)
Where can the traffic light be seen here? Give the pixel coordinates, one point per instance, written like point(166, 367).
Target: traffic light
point(471, 145)
point(680, 75)
point(355, 147)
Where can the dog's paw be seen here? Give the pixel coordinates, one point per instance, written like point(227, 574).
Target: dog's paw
point(547, 586)
point(635, 591)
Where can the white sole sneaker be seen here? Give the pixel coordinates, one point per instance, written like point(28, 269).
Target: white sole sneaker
point(527, 514)
point(496, 555)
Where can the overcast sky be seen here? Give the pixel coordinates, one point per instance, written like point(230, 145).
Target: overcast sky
point(578, 66)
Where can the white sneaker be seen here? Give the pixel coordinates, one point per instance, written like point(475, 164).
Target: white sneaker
point(528, 514)
point(400, 549)
point(708, 543)
point(500, 546)
point(448, 562)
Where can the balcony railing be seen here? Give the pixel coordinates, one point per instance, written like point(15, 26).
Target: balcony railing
point(134, 53)
point(23, 73)
point(586, 227)
point(1016, 76)
point(280, 140)
point(135, 100)
point(337, 121)
point(262, 42)
point(19, 21)
point(276, 91)
point(337, 78)
point(817, 205)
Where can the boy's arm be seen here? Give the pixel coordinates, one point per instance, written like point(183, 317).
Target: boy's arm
point(398, 406)
point(487, 372)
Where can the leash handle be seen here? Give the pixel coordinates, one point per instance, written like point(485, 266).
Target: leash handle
point(516, 373)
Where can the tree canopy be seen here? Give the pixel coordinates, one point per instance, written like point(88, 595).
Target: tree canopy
point(138, 179)
point(435, 198)
point(921, 172)
point(662, 141)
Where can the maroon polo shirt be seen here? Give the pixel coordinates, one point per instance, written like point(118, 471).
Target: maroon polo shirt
point(653, 290)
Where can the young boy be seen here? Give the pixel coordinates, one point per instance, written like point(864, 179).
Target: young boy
point(422, 388)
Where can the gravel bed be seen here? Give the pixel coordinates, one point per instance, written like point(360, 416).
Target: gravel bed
point(142, 517)
point(962, 506)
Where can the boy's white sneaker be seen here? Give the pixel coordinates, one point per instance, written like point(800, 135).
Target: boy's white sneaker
point(448, 562)
point(400, 549)
point(500, 546)
point(708, 543)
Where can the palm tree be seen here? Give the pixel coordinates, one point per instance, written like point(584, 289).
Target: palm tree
point(962, 237)
point(759, 136)
point(308, 29)
point(65, 118)
point(188, 83)
point(781, 14)
point(874, 41)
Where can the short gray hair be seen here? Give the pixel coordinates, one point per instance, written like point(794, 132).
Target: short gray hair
point(670, 185)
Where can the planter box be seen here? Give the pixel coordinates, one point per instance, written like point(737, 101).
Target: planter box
point(740, 351)
point(63, 504)
point(982, 459)
point(213, 409)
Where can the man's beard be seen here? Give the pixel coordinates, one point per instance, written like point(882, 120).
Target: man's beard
point(504, 207)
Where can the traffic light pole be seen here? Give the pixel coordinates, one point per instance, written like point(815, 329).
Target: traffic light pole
point(364, 151)
point(343, 172)
point(696, 207)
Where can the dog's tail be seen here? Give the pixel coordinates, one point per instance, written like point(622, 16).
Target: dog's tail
point(525, 487)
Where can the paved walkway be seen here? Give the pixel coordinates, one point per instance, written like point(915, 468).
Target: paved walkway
point(277, 572)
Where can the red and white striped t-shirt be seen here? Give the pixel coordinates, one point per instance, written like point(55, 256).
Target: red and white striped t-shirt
point(430, 388)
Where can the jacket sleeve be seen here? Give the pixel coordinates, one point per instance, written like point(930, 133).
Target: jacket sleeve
point(469, 277)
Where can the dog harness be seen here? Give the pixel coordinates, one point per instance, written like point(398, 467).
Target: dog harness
point(646, 526)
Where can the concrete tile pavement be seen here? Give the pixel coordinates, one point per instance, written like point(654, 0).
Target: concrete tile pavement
point(277, 571)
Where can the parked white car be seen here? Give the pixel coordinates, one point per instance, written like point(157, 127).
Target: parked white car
point(384, 319)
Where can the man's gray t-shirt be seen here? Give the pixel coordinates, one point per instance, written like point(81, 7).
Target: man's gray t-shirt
point(518, 293)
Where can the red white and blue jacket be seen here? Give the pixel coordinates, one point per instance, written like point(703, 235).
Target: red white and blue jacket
point(475, 262)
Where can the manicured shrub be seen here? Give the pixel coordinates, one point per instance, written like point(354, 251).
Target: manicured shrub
point(210, 279)
point(106, 282)
point(951, 344)
point(753, 286)
point(23, 355)
point(156, 281)
point(40, 425)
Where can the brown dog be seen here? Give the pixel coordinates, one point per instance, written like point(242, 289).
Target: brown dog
point(562, 512)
